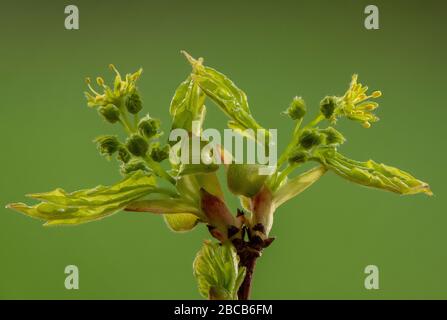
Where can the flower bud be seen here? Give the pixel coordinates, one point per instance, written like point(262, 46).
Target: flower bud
point(134, 165)
point(333, 136)
point(327, 106)
point(310, 138)
point(137, 145)
point(244, 179)
point(158, 153)
point(149, 127)
point(110, 112)
point(107, 145)
point(297, 156)
point(123, 154)
point(297, 109)
point(133, 103)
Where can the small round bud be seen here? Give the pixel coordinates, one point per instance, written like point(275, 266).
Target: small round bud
point(244, 179)
point(137, 145)
point(310, 138)
point(297, 156)
point(110, 112)
point(107, 145)
point(133, 103)
point(158, 153)
point(134, 165)
point(327, 106)
point(297, 109)
point(123, 154)
point(333, 136)
point(149, 127)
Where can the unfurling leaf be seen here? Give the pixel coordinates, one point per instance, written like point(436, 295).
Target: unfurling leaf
point(187, 106)
point(61, 208)
point(230, 99)
point(376, 175)
point(216, 268)
point(296, 185)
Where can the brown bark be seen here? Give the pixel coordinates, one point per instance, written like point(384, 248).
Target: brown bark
point(249, 262)
point(248, 252)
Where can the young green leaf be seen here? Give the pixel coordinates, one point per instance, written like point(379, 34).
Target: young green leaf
point(296, 185)
point(61, 208)
point(231, 100)
point(187, 106)
point(216, 268)
point(376, 175)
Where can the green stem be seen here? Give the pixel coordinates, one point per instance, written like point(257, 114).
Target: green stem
point(315, 121)
point(136, 119)
point(296, 133)
point(158, 169)
point(276, 179)
point(284, 174)
point(291, 144)
point(127, 123)
point(126, 127)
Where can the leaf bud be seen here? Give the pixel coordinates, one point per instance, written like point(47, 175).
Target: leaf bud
point(133, 103)
point(137, 145)
point(297, 109)
point(110, 112)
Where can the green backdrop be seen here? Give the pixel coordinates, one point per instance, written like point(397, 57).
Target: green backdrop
point(274, 50)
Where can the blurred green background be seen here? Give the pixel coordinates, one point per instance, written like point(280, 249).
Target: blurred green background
point(274, 50)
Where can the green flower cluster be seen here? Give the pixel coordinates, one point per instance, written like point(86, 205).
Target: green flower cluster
point(312, 143)
point(142, 149)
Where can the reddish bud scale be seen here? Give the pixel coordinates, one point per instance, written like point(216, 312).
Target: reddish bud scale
point(263, 209)
point(221, 223)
